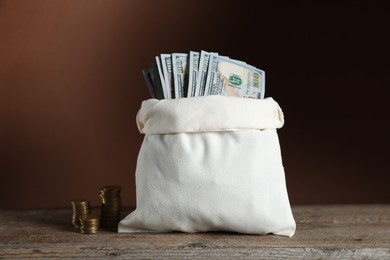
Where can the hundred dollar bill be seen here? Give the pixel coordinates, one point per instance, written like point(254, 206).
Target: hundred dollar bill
point(157, 81)
point(202, 72)
point(166, 63)
point(180, 74)
point(149, 81)
point(234, 78)
point(162, 79)
point(193, 73)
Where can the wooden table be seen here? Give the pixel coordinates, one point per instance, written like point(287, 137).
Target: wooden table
point(334, 231)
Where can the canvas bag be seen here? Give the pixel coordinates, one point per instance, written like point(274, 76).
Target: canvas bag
point(210, 163)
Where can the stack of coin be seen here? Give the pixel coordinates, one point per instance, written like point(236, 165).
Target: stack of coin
point(89, 224)
point(79, 208)
point(111, 206)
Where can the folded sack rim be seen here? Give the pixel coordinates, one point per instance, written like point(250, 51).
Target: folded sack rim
point(228, 114)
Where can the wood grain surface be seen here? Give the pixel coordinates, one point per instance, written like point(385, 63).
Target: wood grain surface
point(323, 232)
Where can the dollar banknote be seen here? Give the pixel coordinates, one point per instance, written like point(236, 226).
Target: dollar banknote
point(229, 77)
point(180, 74)
point(149, 82)
point(166, 63)
point(157, 81)
point(202, 73)
point(193, 70)
point(165, 90)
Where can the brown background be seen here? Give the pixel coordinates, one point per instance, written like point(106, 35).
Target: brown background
point(71, 84)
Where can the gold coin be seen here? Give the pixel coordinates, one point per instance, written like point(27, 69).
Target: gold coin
point(79, 207)
point(111, 188)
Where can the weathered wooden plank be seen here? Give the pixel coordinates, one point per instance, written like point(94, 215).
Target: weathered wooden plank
point(338, 231)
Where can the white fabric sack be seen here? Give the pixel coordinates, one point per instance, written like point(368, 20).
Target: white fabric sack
point(210, 164)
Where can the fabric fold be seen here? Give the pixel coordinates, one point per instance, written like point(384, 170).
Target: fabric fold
point(208, 114)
